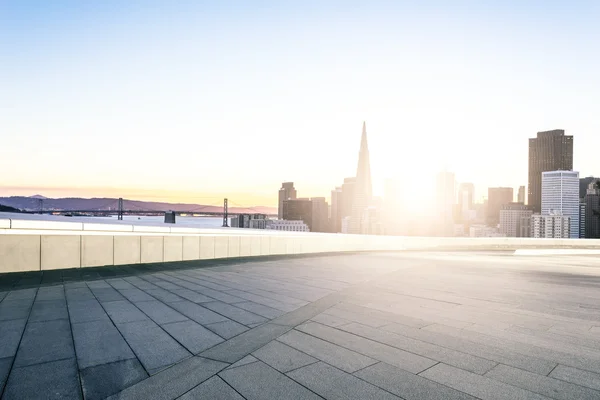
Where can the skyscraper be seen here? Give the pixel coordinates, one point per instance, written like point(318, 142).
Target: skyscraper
point(287, 192)
point(337, 197)
point(521, 195)
point(560, 195)
point(362, 186)
point(592, 206)
point(497, 197)
point(549, 151)
point(584, 185)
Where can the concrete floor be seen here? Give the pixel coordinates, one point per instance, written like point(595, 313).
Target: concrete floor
point(365, 326)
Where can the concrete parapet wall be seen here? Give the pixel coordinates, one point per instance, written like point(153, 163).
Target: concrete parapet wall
point(93, 245)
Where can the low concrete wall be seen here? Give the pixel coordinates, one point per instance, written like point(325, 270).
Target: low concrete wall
point(74, 246)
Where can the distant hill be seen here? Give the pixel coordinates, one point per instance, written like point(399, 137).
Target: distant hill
point(9, 209)
point(106, 204)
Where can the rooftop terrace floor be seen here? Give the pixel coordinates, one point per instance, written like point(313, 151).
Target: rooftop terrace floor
point(351, 326)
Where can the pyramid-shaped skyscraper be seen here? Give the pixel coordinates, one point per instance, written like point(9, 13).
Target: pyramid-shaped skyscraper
point(363, 187)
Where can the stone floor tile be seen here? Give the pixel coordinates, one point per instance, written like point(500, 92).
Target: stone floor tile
point(192, 296)
point(51, 293)
point(160, 312)
point(136, 295)
point(193, 311)
point(15, 309)
point(577, 376)
point(107, 294)
point(123, 311)
point(164, 295)
point(5, 365)
point(21, 294)
point(105, 380)
point(282, 357)
point(48, 310)
point(10, 336)
point(242, 316)
point(259, 309)
point(214, 388)
point(99, 342)
point(193, 336)
point(45, 341)
point(86, 311)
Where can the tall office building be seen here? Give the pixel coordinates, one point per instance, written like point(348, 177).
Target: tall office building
point(584, 185)
point(554, 226)
point(362, 187)
point(521, 195)
point(445, 185)
point(336, 209)
point(466, 194)
point(549, 151)
point(592, 206)
point(560, 194)
point(497, 197)
point(347, 196)
point(511, 218)
point(287, 192)
point(320, 215)
point(313, 212)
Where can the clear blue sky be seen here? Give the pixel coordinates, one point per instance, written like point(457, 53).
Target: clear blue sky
point(184, 99)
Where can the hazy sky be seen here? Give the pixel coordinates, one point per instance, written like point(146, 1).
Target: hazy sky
point(183, 100)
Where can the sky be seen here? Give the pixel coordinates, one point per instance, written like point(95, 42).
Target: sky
point(195, 100)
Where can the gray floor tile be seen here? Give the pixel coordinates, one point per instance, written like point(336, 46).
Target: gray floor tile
point(214, 388)
point(119, 284)
point(220, 296)
point(135, 295)
point(282, 357)
point(477, 385)
point(330, 320)
point(99, 342)
point(106, 294)
point(332, 383)
point(79, 294)
point(197, 313)
point(48, 310)
point(123, 311)
point(259, 309)
point(172, 382)
point(244, 361)
point(86, 311)
point(50, 293)
point(45, 341)
point(259, 381)
point(5, 365)
point(10, 336)
point(234, 313)
point(105, 380)
point(56, 380)
point(192, 296)
point(337, 356)
point(14, 309)
point(159, 312)
point(407, 385)
point(98, 285)
point(577, 376)
point(164, 295)
point(3, 295)
point(541, 384)
point(192, 335)
point(21, 294)
point(164, 350)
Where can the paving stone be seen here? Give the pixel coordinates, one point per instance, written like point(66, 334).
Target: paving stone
point(119, 284)
point(124, 311)
point(227, 329)
point(99, 342)
point(245, 343)
point(10, 336)
point(136, 295)
point(477, 385)
point(105, 380)
point(197, 313)
point(282, 357)
point(160, 313)
point(153, 346)
point(50, 293)
point(72, 285)
point(3, 295)
point(5, 364)
point(22, 294)
point(259, 309)
point(172, 382)
point(382, 352)
point(167, 285)
point(214, 388)
point(192, 335)
point(451, 357)
point(335, 355)
point(259, 381)
point(48, 310)
point(45, 341)
point(164, 295)
point(86, 311)
point(14, 309)
point(246, 360)
point(107, 294)
point(407, 385)
point(330, 320)
point(79, 294)
point(56, 380)
point(541, 384)
point(577, 376)
point(221, 296)
point(100, 284)
point(234, 313)
point(331, 383)
point(192, 296)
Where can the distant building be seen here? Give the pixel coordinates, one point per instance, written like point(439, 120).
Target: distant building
point(484, 231)
point(584, 184)
point(592, 206)
point(582, 220)
point(511, 218)
point(362, 195)
point(445, 195)
point(313, 212)
point(525, 227)
point(290, 226)
point(560, 195)
point(554, 226)
point(497, 197)
point(372, 223)
point(337, 197)
point(521, 195)
point(549, 151)
point(346, 224)
point(287, 192)
point(466, 195)
point(243, 220)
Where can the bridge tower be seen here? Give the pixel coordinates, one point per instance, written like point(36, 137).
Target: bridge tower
point(120, 214)
point(41, 205)
point(225, 214)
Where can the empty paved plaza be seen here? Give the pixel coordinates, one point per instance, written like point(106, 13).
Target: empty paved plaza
point(353, 326)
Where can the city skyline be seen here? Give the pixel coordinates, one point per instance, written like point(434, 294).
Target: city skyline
point(114, 101)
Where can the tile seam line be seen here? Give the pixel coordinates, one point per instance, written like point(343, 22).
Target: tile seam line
point(79, 379)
